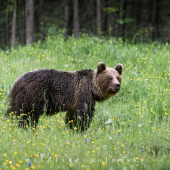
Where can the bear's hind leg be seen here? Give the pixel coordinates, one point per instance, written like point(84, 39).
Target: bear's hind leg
point(35, 114)
point(70, 119)
point(34, 119)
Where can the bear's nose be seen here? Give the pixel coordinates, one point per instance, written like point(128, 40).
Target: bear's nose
point(117, 85)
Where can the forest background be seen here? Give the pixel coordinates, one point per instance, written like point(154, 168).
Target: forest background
point(132, 20)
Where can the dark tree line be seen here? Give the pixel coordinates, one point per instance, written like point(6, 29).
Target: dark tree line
point(27, 21)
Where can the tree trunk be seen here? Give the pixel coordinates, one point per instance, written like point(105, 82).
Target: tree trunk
point(137, 15)
point(124, 16)
point(99, 19)
point(14, 24)
point(76, 18)
point(116, 24)
point(153, 19)
point(6, 24)
point(20, 22)
point(92, 14)
point(70, 23)
point(41, 21)
point(29, 20)
point(157, 19)
point(105, 29)
point(66, 20)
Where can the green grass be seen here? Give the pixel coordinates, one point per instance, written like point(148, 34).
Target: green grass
point(129, 131)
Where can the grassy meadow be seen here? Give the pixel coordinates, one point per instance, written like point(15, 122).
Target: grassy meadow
point(129, 131)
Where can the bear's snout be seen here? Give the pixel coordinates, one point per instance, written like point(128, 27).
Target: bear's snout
point(117, 86)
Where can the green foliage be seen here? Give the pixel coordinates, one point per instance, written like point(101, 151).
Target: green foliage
point(125, 21)
point(111, 9)
point(129, 131)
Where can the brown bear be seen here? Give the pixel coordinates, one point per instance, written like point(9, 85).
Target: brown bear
point(52, 91)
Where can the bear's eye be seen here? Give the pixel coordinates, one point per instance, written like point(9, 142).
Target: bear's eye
point(110, 79)
point(118, 78)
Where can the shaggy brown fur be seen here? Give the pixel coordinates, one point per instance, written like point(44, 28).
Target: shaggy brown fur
point(51, 91)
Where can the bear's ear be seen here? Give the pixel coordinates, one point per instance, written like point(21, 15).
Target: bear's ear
point(101, 67)
point(119, 68)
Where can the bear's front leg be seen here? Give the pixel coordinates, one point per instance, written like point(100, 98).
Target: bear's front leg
point(84, 116)
point(70, 118)
point(80, 119)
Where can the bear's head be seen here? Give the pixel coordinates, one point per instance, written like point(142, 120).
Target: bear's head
point(108, 80)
